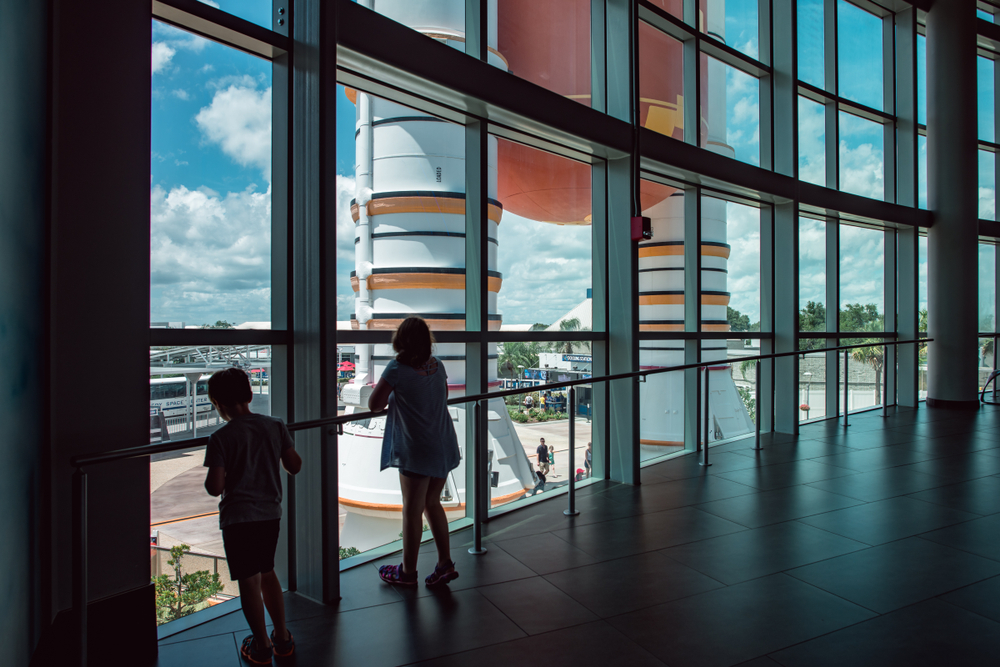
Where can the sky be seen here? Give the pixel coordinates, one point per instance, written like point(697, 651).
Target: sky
point(210, 179)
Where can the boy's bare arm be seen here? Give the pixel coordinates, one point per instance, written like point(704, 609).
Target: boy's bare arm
point(291, 461)
point(215, 481)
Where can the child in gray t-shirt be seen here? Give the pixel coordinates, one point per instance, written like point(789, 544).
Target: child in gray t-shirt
point(243, 459)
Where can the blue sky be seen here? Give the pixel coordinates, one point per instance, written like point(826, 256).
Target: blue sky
point(210, 176)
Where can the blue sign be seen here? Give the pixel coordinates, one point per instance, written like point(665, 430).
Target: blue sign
point(585, 358)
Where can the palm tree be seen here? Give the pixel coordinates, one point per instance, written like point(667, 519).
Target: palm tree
point(873, 356)
point(572, 324)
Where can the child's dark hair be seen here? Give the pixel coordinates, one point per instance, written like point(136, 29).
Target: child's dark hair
point(230, 386)
point(412, 342)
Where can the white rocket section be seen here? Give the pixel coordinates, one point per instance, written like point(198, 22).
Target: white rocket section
point(410, 159)
point(661, 397)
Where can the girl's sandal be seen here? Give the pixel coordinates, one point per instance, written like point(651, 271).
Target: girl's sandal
point(442, 575)
point(393, 574)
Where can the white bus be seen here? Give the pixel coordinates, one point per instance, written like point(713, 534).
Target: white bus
point(168, 396)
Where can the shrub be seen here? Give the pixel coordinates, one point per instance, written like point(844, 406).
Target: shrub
point(185, 593)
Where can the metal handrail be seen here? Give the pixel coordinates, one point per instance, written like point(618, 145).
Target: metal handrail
point(146, 450)
point(80, 588)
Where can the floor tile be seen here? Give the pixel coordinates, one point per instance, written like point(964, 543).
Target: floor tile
point(979, 496)
point(883, 437)
point(960, 467)
point(626, 584)
point(545, 553)
point(980, 537)
point(536, 606)
point(219, 650)
point(879, 484)
point(678, 493)
point(419, 628)
point(738, 623)
point(776, 476)
point(224, 625)
point(866, 460)
point(739, 557)
point(929, 634)
point(783, 453)
point(981, 598)
point(359, 587)
point(895, 575)
point(887, 520)
point(767, 507)
point(592, 644)
point(685, 467)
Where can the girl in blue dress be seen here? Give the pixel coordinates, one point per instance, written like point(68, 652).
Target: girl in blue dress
point(420, 441)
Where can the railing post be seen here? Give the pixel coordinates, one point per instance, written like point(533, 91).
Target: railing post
point(80, 562)
point(756, 409)
point(478, 480)
point(707, 413)
point(995, 366)
point(885, 381)
point(846, 381)
point(572, 511)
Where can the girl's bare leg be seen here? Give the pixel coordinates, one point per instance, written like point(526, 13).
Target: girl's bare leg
point(437, 519)
point(414, 492)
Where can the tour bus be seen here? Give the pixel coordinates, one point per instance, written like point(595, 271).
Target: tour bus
point(168, 396)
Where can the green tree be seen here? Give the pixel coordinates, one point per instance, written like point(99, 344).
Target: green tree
point(569, 347)
point(922, 328)
point(514, 354)
point(812, 317)
point(737, 320)
point(347, 552)
point(749, 401)
point(184, 593)
point(873, 356)
point(855, 317)
point(220, 324)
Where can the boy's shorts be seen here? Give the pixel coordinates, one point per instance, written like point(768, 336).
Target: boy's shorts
point(250, 547)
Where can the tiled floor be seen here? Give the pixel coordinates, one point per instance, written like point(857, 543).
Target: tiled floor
point(874, 545)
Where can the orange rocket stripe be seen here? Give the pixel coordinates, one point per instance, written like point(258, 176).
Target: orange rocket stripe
point(421, 281)
point(385, 507)
point(661, 443)
point(444, 205)
point(435, 325)
point(665, 250)
point(677, 299)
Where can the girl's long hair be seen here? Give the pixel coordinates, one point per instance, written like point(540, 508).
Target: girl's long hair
point(412, 342)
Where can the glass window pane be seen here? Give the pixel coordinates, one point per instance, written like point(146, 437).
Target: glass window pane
point(733, 22)
point(812, 380)
point(987, 98)
point(987, 185)
point(546, 42)
point(921, 79)
point(739, 288)
point(985, 15)
point(812, 141)
point(733, 112)
point(859, 55)
point(544, 240)
point(922, 282)
point(661, 82)
point(675, 7)
point(812, 275)
point(987, 286)
point(661, 261)
point(408, 241)
point(862, 291)
point(862, 171)
point(210, 195)
point(260, 12)
point(811, 42)
point(922, 171)
point(661, 401)
point(443, 20)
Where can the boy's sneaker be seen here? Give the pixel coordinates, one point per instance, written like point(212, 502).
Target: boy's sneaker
point(254, 653)
point(393, 574)
point(283, 649)
point(442, 574)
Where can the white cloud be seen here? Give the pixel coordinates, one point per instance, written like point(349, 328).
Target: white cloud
point(812, 142)
point(211, 3)
point(162, 53)
point(181, 94)
point(862, 171)
point(210, 255)
point(862, 263)
point(239, 121)
point(743, 280)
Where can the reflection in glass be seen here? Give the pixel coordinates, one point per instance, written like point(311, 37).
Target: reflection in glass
point(812, 141)
point(921, 79)
point(256, 11)
point(732, 109)
point(661, 82)
point(987, 286)
point(210, 184)
point(862, 171)
point(442, 20)
point(986, 97)
point(987, 185)
point(812, 275)
point(859, 55)
point(811, 41)
point(661, 401)
point(733, 22)
point(546, 42)
point(862, 292)
point(922, 171)
point(812, 380)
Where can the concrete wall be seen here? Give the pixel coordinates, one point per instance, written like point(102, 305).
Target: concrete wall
point(23, 64)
